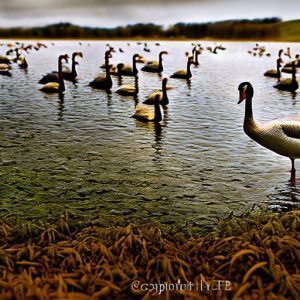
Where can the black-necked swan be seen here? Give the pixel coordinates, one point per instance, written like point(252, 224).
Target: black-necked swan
point(274, 73)
point(288, 84)
point(279, 136)
point(103, 82)
point(146, 113)
point(155, 66)
point(72, 74)
point(56, 87)
point(184, 74)
point(128, 89)
point(128, 70)
point(163, 97)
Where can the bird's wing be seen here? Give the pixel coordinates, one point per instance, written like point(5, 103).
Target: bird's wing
point(180, 72)
point(291, 127)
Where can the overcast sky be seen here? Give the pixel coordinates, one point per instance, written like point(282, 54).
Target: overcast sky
point(110, 13)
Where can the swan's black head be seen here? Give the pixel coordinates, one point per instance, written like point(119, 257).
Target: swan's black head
point(163, 52)
point(108, 54)
point(164, 81)
point(246, 91)
point(78, 53)
point(191, 60)
point(64, 57)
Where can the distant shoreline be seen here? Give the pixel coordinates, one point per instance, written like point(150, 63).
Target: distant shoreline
point(267, 30)
point(141, 39)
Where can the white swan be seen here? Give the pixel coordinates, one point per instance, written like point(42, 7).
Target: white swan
point(279, 136)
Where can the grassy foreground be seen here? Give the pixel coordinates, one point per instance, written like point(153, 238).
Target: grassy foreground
point(259, 253)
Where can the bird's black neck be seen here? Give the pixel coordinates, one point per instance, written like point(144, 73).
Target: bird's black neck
point(74, 73)
point(196, 57)
point(160, 65)
point(134, 68)
point(60, 75)
point(293, 73)
point(157, 111)
point(188, 69)
point(248, 120)
point(278, 70)
point(107, 69)
point(165, 99)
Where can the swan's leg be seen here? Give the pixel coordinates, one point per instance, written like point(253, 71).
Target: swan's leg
point(293, 173)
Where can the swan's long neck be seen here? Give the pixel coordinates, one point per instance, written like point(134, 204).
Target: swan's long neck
point(157, 112)
point(107, 69)
point(249, 122)
point(196, 57)
point(134, 68)
point(278, 70)
point(165, 99)
point(188, 69)
point(74, 73)
point(293, 73)
point(60, 76)
point(160, 65)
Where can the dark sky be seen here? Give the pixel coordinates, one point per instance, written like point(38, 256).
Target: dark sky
point(110, 13)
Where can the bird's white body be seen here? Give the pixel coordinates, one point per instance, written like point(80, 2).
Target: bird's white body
point(280, 136)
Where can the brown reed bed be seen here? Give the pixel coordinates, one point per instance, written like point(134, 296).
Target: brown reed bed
point(258, 253)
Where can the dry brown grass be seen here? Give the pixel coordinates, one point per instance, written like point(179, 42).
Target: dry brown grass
point(258, 253)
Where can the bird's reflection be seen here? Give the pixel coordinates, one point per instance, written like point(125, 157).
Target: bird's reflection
point(284, 198)
point(109, 98)
point(189, 83)
point(61, 106)
point(136, 97)
point(120, 80)
point(294, 94)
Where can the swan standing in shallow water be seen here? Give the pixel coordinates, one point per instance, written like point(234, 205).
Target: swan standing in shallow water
point(279, 136)
point(56, 87)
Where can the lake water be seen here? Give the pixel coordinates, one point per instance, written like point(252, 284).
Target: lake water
point(84, 153)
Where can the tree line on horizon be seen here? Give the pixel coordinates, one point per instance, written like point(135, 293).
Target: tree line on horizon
point(232, 29)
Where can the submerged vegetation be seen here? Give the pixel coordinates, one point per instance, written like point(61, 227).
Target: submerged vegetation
point(258, 253)
point(268, 28)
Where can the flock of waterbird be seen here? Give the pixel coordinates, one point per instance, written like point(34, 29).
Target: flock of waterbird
point(280, 136)
point(53, 82)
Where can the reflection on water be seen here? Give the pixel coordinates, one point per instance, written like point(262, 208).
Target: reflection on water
point(83, 152)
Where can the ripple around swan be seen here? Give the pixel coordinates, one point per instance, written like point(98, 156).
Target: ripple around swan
point(83, 152)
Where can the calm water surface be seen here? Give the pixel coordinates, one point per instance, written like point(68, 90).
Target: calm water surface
point(85, 154)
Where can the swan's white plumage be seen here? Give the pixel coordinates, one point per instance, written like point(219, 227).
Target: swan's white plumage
point(281, 136)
